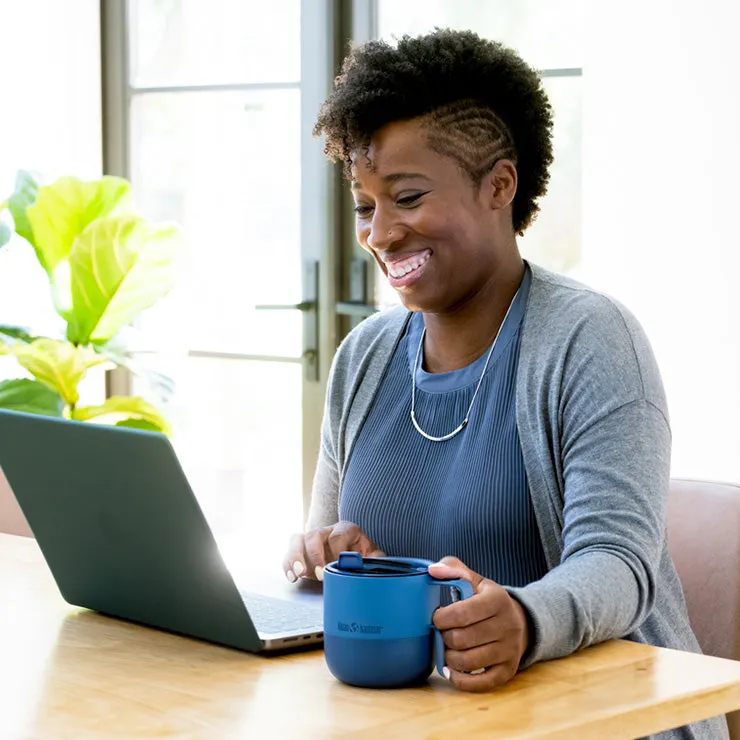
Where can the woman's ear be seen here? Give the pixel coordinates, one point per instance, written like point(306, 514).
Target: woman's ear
point(502, 182)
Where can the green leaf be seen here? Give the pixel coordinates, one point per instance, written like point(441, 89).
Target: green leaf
point(24, 196)
point(58, 365)
point(30, 396)
point(15, 334)
point(139, 424)
point(11, 335)
point(120, 266)
point(62, 211)
point(124, 408)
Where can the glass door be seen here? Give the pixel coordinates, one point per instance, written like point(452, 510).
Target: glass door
point(218, 102)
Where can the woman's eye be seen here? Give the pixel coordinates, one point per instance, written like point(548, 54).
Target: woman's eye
point(409, 200)
point(361, 210)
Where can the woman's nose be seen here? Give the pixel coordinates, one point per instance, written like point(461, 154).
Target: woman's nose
point(382, 233)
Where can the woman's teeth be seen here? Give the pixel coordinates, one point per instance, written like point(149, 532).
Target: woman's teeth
point(404, 267)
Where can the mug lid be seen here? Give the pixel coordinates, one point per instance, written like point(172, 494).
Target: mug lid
point(352, 563)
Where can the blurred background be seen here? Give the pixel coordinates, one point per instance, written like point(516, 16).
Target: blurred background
point(207, 107)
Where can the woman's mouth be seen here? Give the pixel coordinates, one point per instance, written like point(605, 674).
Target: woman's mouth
point(402, 272)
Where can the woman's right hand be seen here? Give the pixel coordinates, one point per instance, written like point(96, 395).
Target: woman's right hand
point(309, 552)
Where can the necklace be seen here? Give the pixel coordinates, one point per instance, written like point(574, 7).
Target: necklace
point(464, 422)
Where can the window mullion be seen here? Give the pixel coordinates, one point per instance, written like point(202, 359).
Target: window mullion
point(116, 124)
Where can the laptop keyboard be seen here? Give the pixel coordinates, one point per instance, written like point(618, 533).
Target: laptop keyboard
point(272, 615)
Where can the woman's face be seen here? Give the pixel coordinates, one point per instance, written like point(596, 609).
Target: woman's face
point(438, 238)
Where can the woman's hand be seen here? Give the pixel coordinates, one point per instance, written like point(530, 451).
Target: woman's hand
point(308, 553)
point(486, 635)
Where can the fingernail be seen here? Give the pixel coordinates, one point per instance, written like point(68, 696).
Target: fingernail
point(446, 672)
point(298, 568)
point(319, 573)
point(291, 576)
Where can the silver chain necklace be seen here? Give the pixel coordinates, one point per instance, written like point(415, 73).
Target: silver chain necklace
point(464, 422)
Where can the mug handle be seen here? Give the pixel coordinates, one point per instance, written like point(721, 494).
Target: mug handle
point(465, 589)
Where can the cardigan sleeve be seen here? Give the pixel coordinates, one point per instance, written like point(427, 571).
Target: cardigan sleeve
point(601, 452)
point(324, 509)
point(605, 584)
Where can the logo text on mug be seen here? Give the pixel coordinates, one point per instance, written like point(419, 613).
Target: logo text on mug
point(362, 629)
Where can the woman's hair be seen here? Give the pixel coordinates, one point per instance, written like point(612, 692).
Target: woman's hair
point(477, 99)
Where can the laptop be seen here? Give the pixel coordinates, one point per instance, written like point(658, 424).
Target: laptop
point(122, 533)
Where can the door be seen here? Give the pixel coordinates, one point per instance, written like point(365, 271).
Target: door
point(209, 110)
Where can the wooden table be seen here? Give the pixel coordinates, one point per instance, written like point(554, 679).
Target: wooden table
point(71, 673)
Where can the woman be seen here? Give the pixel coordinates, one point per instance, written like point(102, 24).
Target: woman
point(505, 421)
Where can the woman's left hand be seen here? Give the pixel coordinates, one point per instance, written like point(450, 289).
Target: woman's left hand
point(487, 631)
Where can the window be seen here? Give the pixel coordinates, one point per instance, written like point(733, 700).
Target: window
point(215, 144)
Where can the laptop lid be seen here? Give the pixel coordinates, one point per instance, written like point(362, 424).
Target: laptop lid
point(120, 528)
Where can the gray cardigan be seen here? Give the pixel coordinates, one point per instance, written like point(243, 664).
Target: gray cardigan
point(595, 437)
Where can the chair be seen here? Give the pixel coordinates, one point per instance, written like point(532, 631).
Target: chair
point(12, 520)
point(704, 541)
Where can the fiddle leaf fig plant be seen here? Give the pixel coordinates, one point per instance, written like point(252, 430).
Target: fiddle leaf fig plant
point(120, 265)
point(30, 396)
point(105, 265)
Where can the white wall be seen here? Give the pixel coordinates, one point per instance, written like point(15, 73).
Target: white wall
point(661, 195)
point(50, 93)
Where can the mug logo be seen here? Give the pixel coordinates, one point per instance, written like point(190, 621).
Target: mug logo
point(357, 628)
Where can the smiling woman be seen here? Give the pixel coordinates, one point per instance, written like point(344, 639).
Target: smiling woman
point(421, 215)
point(505, 421)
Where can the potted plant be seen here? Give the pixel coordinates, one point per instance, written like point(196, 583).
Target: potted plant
point(105, 265)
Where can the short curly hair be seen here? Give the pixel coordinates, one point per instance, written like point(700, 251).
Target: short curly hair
point(480, 102)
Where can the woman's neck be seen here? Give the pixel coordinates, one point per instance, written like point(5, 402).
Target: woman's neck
point(456, 339)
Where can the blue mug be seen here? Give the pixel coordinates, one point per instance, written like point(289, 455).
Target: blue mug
point(378, 629)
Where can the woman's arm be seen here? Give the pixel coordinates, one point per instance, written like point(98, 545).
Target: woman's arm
point(616, 473)
point(599, 423)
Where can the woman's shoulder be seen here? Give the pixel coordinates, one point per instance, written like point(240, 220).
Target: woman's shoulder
point(551, 287)
point(558, 305)
point(573, 326)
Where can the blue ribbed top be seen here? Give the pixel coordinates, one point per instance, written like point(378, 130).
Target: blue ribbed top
point(467, 496)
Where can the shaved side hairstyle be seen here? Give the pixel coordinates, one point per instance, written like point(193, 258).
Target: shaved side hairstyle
point(477, 101)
